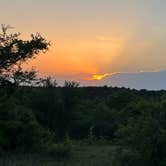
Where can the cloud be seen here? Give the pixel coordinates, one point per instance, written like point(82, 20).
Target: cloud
point(98, 77)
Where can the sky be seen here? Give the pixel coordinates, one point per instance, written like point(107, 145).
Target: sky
point(91, 39)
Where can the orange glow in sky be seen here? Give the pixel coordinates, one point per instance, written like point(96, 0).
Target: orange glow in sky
point(97, 77)
point(90, 37)
point(78, 56)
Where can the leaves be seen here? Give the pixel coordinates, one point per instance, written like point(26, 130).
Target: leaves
point(15, 51)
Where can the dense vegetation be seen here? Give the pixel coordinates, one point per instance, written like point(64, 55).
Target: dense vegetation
point(47, 117)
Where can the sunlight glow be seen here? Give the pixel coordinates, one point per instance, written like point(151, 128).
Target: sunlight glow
point(98, 77)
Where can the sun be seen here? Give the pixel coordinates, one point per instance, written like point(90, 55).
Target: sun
point(97, 77)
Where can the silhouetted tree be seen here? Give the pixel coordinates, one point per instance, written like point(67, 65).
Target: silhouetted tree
point(19, 128)
point(15, 51)
point(49, 82)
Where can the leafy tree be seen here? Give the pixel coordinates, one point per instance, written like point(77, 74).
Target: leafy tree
point(19, 128)
point(15, 51)
point(18, 125)
point(144, 131)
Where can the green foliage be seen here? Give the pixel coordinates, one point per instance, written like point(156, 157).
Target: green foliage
point(145, 133)
point(60, 150)
point(19, 128)
point(81, 155)
point(127, 157)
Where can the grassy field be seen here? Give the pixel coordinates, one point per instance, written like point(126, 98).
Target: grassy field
point(85, 155)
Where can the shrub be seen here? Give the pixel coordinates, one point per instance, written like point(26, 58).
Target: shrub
point(19, 129)
point(60, 150)
point(145, 132)
point(127, 157)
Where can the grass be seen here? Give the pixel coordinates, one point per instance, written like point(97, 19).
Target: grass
point(82, 155)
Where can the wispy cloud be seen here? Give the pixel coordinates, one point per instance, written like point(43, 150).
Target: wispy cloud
point(98, 77)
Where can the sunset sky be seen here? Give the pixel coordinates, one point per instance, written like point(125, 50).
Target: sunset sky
point(92, 37)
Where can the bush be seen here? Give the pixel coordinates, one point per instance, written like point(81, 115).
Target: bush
point(126, 157)
point(145, 132)
point(60, 150)
point(19, 129)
